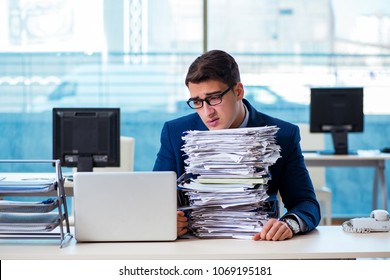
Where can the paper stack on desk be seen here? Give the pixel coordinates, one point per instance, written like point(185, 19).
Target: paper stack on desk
point(226, 195)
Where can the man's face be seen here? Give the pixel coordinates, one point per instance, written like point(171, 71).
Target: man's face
point(228, 114)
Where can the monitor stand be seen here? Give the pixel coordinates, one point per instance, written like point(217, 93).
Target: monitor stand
point(340, 142)
point(85, 164)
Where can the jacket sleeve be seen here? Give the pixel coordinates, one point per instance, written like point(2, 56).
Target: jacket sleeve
point(170, 157)
point(291, 177)
point(165, 160)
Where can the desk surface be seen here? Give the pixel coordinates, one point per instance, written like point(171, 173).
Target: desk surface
point(363, 155)
point(325, 242)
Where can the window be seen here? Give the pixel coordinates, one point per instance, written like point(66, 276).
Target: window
point(128, 47)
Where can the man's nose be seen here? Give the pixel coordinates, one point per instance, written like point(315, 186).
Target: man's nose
point(207, 109)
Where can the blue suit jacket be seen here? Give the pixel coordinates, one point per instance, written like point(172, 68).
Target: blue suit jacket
point(289, 173)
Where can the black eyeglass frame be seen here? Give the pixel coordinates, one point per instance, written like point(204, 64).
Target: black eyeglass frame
point(207, 99)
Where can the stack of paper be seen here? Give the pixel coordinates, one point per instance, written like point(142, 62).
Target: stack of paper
point(31, 222)
point(246, 152)
point(227, 194)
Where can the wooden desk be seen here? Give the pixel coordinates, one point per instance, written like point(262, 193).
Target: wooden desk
point(376, 160)
point(325, 242)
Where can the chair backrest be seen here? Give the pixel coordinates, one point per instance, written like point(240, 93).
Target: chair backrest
point(313, 141)
point(126, 154)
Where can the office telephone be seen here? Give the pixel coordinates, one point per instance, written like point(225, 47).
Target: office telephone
point(379, 220)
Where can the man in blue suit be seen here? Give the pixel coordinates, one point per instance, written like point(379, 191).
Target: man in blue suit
point(217, 96)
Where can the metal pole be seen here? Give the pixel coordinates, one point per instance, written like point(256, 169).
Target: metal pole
point(205, 26)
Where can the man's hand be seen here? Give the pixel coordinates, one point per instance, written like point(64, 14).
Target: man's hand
point(274, 230)
point(182, 223)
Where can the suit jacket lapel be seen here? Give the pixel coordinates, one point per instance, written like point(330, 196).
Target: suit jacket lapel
point(255, 118)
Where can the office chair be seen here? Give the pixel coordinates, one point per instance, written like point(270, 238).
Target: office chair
point(126, 154)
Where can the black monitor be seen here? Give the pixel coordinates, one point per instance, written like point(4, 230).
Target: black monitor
point(337, 110)
point(86, 137)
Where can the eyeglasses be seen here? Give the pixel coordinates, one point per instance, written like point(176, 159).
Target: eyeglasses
point(215, 99)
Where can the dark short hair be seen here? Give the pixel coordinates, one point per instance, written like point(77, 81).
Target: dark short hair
point(214, 65)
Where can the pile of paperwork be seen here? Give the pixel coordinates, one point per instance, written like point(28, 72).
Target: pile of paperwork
point(227, 191)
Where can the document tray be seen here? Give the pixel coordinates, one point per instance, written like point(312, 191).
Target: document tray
point(14, 222)
point(27, 186)
point(28, 207)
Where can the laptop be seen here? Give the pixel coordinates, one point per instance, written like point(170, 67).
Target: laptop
point(125, 206)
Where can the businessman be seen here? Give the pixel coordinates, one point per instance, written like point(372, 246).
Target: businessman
point(217, 97)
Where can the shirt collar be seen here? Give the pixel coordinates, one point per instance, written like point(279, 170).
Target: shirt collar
point(246, 119)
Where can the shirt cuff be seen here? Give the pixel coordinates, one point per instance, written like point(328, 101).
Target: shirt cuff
point(302, 225)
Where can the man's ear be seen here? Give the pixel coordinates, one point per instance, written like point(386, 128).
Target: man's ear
point(239, 90)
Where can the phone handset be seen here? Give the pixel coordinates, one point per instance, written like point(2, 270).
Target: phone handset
point(379, 220)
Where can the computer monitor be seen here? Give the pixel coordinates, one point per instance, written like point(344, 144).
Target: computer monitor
point(86, 137)
point(337, 110)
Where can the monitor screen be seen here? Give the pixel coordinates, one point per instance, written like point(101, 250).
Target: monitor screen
point(337, 110)
point(86, 137)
